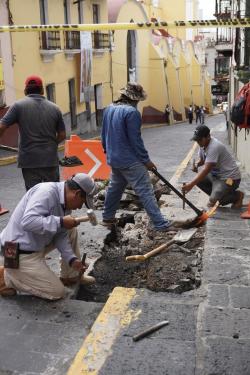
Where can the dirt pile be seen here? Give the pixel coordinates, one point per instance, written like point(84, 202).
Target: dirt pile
point(176, 269)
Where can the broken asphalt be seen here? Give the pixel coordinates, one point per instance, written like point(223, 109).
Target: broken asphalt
point(208, 331)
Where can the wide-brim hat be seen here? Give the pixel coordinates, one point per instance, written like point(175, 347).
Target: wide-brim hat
point(134, 91)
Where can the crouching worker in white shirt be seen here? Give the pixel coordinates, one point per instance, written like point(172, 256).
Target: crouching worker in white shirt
point(42, 222)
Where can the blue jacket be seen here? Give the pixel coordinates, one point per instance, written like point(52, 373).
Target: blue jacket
point(121, 136)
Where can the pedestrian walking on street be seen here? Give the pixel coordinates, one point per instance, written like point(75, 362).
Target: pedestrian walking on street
point(220, 177)
point(190, 114)
point(40, 223)
point(41, 129)
point(198, 114)
point(167, 114)
point(128, 158)
point(202, 109)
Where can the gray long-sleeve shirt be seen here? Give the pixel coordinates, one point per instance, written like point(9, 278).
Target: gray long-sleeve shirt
point(35, 221)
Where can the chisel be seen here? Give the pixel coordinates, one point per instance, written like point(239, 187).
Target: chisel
point(150, 330)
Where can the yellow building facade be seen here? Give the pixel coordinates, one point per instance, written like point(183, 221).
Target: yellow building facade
point(166, 65)
point(170, 68)
point(56, 57)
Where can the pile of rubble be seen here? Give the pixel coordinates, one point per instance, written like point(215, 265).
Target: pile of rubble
point(130, 200)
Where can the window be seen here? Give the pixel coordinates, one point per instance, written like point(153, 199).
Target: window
point(80, 11)
point(43, 11)
point(51, 92)
point(96, 13)
point(66, 6)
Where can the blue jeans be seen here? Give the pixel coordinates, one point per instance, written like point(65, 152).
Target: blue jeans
point(137, 176)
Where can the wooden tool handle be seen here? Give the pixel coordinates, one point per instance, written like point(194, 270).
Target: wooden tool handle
point(81, 219)
point(132, 258)
point(158, 249)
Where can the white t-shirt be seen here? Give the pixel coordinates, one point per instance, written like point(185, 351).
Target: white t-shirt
point(225, 165)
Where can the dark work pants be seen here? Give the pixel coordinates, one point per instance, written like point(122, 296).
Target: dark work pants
point(33, 176)
point(218, 190)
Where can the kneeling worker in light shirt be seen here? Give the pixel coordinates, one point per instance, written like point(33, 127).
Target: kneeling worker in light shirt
point(40, 222)
point(220, 176)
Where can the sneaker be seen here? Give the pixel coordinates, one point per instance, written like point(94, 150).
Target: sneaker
point(238, 203)
point(4, 290)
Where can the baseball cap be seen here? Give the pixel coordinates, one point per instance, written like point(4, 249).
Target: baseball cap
point(33, 81)
point(87, 184)
point(200, 132)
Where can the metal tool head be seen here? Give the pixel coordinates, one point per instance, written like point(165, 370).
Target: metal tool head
point(184, 235)
point(92, 217)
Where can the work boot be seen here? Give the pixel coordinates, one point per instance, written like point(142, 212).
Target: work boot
point(4, 290)
point(170, 228)
point(109, 223)
point(85, 280)
point(240, 197)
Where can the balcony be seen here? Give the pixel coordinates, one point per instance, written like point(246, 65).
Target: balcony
point(72, 40)
point(50, 44)
point(100, 41)
point(222, 68)
point(72, 43)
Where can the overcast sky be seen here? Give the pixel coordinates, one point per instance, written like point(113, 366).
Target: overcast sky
point(208, 8)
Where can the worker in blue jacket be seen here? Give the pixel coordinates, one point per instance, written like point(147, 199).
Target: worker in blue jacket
point(128, 158)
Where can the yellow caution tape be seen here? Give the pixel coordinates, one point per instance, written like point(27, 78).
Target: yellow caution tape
point(234, 23)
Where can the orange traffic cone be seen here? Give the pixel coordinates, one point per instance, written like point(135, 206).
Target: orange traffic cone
point(3, 210)
point(246, 214)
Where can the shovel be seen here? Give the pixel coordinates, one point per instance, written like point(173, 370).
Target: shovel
point(202, 216)
point(181, 237)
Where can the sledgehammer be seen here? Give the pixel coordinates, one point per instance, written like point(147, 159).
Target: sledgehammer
point(91, 217)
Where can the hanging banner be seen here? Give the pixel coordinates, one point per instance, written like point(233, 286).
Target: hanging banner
point(196, 24)
point(1, 76)
point(86, 65)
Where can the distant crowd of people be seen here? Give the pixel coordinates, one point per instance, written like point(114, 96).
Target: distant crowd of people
point(198, 111)
point(199, 114)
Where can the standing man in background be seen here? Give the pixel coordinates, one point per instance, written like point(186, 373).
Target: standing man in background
point(190, 114)
point(41, 129)
point(167, 114)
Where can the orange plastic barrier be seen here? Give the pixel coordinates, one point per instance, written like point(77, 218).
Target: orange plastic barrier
point(91, 154)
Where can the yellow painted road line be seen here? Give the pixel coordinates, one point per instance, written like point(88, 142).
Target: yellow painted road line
point(13, 159)
point(8, 160)
point(97, 346)
point(194, 24)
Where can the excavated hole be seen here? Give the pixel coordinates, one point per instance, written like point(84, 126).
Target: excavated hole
point(176, 270)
